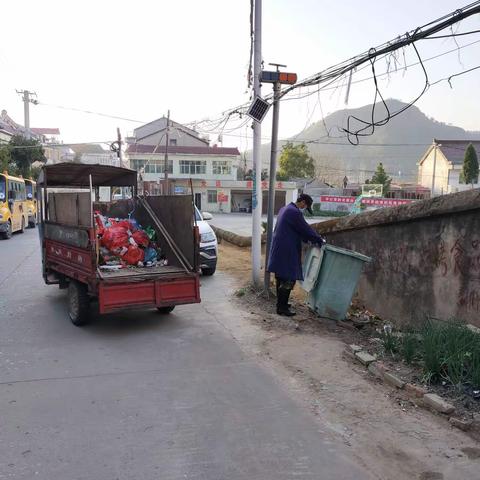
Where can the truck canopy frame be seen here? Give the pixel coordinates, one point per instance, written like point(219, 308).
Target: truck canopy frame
point(77, 175)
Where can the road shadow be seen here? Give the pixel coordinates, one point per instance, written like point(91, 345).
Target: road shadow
point(132, 322)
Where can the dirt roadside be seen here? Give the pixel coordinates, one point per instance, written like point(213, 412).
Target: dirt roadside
point(386, 433)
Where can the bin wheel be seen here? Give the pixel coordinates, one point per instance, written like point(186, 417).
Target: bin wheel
point(165, 310)
point(78, 303)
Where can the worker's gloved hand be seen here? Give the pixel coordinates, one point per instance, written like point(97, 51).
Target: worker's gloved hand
point(321, 242)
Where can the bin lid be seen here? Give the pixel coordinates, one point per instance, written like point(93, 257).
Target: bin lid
point(311, 268)
point(351, 253)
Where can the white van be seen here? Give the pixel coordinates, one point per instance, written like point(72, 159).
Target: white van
point(208, 243)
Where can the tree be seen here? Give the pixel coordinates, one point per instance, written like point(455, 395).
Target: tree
point(249, 174)
point(381, 178)
point(470, 165)
point(24, 152)
point(295, 162)
point(5, 158)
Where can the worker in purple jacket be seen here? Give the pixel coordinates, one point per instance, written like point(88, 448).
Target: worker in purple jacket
point(285, 259)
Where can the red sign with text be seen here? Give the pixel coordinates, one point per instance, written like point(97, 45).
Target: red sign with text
point(378, 202)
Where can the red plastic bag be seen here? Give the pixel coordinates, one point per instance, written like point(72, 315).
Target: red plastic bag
point(115, 237)
point(141, 238)
point(125, 224)
point(133, 255)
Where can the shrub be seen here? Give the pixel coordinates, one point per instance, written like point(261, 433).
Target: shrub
point(389, 342)
point(432, 350)
point(451, 352)
point(409, 348)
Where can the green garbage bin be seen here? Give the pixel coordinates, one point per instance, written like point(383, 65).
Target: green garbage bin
point(331, 277)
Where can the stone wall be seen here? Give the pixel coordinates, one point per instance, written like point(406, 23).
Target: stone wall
point(426, 257)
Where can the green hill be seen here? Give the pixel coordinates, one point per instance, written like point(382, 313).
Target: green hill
point(333, 161)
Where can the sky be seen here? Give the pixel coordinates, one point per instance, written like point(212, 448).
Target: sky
point(139, 59)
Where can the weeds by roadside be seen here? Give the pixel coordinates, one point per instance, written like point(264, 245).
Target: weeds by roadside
point(448, 352)
point(451, 352)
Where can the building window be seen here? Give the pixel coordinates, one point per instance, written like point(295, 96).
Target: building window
point(221, 167)
point(211, 196)
point(152, 166)
point(138, 164)
point(193, 167)
point(173, 142)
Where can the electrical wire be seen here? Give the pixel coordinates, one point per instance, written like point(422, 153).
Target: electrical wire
point(452, 35)
point(335, 73)
point(90, 112)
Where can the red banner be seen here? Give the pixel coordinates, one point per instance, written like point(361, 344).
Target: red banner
point(376, 201)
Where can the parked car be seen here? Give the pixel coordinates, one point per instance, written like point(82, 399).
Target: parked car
point(208, 243)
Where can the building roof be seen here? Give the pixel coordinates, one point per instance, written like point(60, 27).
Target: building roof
point(7, 124)
point(160, 124)
point(454, 150)
point(81, 148)
point(137, 148)
point(46, 131)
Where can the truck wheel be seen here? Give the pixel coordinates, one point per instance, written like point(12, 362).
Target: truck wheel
point(78, 303)
point(165, 310)
point(8, 233)
point(32, 224)
point(208, 272)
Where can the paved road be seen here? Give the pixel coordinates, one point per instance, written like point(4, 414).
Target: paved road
point(142, 396)
point(241, 223)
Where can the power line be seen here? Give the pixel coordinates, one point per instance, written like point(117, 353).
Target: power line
point(336, 72)
point(90, 112)
point(453, 35)
point(242, 108)
point(366, 79)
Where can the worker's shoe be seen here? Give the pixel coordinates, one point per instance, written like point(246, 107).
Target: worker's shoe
point(283, 307)
point(285, 311)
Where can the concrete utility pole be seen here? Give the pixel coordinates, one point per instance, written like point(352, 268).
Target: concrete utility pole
point(165, 167)
point(277, 78)
point(26, 109)
point(257, 160)
point(119, 151)
point(272, 174)
point(434, 168)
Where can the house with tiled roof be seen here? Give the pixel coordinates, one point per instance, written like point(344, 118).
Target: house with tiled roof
point(440, 168)
point(212, 170)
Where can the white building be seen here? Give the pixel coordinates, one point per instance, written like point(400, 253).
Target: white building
point(212, 171)
point(440, 167)
point(48, 137)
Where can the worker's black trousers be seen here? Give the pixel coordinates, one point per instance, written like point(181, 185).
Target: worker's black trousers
point(284, 287)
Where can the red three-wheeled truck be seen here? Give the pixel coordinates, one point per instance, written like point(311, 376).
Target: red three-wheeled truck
point(75, 210)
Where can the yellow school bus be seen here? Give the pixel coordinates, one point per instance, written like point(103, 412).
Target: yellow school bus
point(13, 205)
point(31, 190)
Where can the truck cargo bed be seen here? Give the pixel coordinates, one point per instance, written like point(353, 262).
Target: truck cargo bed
point(135, 274)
